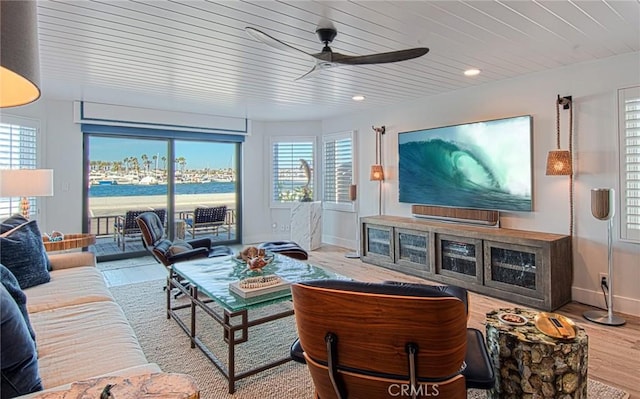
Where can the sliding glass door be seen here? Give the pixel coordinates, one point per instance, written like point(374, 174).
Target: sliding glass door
point(191, 185)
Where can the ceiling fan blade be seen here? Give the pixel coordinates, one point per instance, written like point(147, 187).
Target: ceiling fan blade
point(312, 72)
point(319, 66)
point(380, 58)
point(272, 41)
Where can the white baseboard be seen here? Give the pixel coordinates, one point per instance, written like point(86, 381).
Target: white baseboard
point(340, 242)
point(621, 304)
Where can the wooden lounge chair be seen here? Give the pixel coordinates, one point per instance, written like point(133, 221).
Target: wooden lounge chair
point(209, 220)
point(368, 340)
point(127, 227)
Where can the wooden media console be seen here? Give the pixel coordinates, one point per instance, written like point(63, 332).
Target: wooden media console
point(526, 267)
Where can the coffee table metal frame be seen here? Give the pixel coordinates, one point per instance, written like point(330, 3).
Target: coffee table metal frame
point(201, 275)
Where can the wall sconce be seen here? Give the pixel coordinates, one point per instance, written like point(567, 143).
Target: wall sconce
point(377, 172)
point(559, 162)
point(19, 57)
point(26, 183)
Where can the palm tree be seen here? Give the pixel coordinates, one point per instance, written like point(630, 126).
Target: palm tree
point(145, 160)
point(182, 162)
point(164, 165)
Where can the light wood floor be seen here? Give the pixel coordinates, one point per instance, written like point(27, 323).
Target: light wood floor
point(614, 352)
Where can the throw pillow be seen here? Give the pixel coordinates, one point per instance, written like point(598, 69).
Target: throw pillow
point(10, 282)
point(23, 253)
point(12, 222)
point(18, 356)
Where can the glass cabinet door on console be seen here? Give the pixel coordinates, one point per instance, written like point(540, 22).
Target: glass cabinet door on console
point(459, 257)
point(413, 251)
point(378, 242)
point(514, 268)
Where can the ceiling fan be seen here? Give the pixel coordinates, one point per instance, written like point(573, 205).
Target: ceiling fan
point(327, 58)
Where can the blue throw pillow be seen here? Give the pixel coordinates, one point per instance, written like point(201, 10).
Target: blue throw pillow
point(13, 288)
point(18, 356)
point(23, 253)
point(12, 222)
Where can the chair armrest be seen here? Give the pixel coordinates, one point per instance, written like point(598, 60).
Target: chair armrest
point(479, 373)
point(200, 243)
point(72, 259)
point(188, 255)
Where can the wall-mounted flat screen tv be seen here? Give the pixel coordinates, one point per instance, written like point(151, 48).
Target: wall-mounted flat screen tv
point(480, 165)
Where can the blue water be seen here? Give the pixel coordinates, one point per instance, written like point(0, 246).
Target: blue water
point(136, 190)
point(438, 172)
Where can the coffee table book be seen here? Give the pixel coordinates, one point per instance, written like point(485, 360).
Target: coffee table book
point(254, 292)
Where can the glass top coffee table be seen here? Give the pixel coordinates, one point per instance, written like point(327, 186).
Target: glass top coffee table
point(210, 278)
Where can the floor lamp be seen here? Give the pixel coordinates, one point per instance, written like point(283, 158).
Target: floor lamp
point(26, 183)
point(603, 208)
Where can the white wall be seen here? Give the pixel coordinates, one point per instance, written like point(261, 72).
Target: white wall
point(594, 89)
point(262, 223)
point(592, 85)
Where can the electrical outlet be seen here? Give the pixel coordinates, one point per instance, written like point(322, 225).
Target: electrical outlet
point(604, 279)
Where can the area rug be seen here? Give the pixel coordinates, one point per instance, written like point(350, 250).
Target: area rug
point(164, 343)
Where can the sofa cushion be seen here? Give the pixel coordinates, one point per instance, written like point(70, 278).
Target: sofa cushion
point(18, 357)
point(68, 287)
point(81, 341)
point(23, 253)
point(10, 283)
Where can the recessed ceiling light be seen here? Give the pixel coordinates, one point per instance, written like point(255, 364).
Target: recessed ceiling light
point(358, 98)
point(472, 72)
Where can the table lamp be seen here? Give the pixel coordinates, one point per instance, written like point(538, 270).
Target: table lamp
point(26, 183)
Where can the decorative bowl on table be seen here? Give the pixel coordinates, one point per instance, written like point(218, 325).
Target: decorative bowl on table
point(254, 258)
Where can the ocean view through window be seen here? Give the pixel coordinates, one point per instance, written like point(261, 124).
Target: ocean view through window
point(127, 176)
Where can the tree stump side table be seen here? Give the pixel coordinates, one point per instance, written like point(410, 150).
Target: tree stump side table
point(151, 386)
point(529, 364)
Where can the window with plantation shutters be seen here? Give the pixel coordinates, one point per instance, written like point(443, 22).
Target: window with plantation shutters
point(289, 181)
point(629, 130)
point(337, 155)
point(18, 150)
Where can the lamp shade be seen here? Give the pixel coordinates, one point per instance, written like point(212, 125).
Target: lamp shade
point(559, 163)
point(26, 183)
point(19, 59)
point(377, 174)
point(602, 203)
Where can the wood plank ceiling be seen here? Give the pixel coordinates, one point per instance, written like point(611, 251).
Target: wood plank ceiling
point(195, 55)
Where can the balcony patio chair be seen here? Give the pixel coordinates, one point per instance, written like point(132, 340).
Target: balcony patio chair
point(209, 219)
point(126, 227)
point(374, 340)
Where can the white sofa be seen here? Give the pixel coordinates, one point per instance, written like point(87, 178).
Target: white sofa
point(81, 332)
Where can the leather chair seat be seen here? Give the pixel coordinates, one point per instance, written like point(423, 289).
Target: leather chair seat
point(286, 248)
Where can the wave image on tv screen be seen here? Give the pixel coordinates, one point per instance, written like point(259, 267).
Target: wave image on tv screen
point(482, 165)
